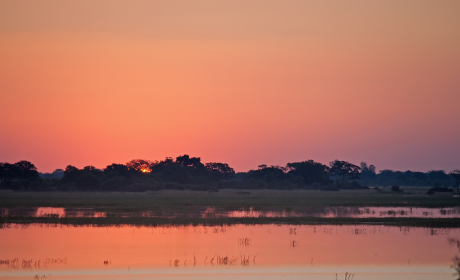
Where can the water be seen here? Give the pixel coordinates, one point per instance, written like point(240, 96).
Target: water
point(42, 251)
point(211, 212)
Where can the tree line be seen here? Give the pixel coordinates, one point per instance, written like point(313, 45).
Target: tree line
point(185, 172)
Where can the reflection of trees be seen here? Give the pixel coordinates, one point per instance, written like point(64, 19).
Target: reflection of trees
point(456, 258)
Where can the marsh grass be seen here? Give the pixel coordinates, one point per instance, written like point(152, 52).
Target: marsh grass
point(244, 241)
point(225, 199)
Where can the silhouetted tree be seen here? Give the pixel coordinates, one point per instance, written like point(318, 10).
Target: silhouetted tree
point(456, 175)
point(220, 170)
point(311, 172)
point(344, 170)
point(89, 168)
point(140, 165)
point(71, 173)
point(26, 170)
point(119, 169)
point(186, 160)
point(438, 175)
point(8, 172)
point(268, 173)
point(87, 182)
point(2, 172)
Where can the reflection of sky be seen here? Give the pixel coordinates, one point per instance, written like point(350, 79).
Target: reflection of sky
point(383, 212)
point(320, 251)
point(265, 273)
point(62, 212)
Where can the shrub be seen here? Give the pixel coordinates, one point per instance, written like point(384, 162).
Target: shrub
point(439, 189)
point(316, 186)
point(137, 187)
point(330, 189)
point(174, 186)
point(395, 188)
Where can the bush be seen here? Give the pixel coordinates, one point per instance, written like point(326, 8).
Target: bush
point(356, 186)
point(439, 189)
point(137, 187)
point(71, 186)
point(203, 188)
point(350, 186)
point(316, 186)
point(442, 189)
point(330, 189)
point(174, 186)
point(395, 188)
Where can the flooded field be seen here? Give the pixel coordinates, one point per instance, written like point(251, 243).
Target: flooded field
point(213, 212)
point(52, 251)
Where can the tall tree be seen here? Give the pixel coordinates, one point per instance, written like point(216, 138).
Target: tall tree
point(186, 160)
point(26, 169)
point(140, 165)
point(221, 170)
point(71, 173)
point(344, 170)
point(311, 172)
point(119, 169)
point(456, 175)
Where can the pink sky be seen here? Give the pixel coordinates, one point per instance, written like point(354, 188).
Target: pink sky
point(241, 82)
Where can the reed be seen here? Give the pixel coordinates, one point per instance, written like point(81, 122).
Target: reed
point(244, 241)
point(349, 276)
point(27, 263)
point(245, 260)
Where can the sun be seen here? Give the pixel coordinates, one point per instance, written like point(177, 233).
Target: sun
point(145, 170)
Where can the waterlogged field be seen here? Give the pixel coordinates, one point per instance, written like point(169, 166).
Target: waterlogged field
point(230, 234)
point(213, 212)
point(40, 251)
point(410, 208)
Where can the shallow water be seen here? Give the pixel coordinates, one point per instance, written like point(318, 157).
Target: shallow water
point(248, 252)
point(211, 212)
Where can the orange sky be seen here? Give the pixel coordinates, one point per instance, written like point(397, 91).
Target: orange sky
point(241, 82)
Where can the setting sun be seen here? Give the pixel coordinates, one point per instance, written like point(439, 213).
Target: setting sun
point(235, 139)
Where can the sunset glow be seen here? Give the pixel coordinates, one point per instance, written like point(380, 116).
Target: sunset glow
point(241, 82)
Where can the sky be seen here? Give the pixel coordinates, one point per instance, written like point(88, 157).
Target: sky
point(241, 82)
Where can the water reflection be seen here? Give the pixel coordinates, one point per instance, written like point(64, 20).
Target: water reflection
point(251, 251)
point(456, 258)
point(51, 212)
point(393, 212)
point(212, 212)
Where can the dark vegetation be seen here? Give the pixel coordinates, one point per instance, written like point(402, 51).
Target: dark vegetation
point(225, 200)
point(145, 221)
point(189, 173)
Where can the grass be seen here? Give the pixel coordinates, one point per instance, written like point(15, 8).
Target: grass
point(224, 200)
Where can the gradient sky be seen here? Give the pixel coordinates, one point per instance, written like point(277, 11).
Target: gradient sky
point(241, 82)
